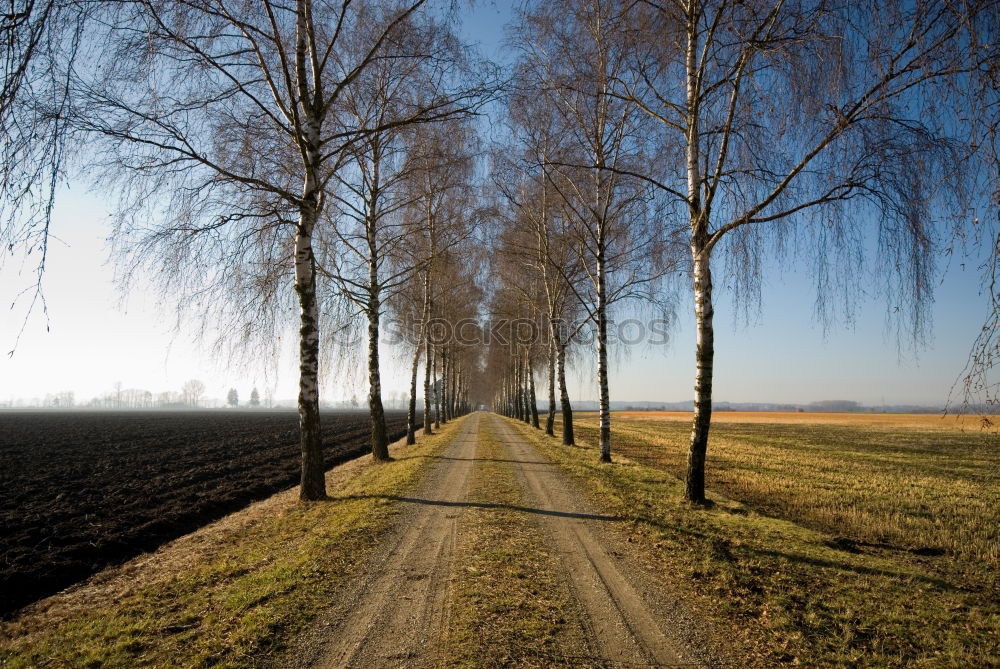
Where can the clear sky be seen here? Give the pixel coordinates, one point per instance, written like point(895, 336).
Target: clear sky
point(98, 337)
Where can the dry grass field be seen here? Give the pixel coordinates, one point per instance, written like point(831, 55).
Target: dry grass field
point(841, 539)
point(918, 483)
point(925, 421)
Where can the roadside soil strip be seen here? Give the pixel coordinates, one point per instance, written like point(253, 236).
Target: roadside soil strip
point(396, 616)
point(623, 628)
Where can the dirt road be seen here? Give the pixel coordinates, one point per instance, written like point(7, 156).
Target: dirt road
point(399, 615)
point(622, 627)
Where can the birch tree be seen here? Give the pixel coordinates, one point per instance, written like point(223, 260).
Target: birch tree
point(439, 193)
point(408, 310)
point(227, 133)
point(846, 123)
point(459, 298)
point(520, 305)
point(368, 259)
point(572, 56)
point(192, 392)
point(530, 204)
point(37, 39)
point(543, 266)
point(978, 389)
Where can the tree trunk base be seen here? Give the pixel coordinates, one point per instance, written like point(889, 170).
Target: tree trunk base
point(311, 492)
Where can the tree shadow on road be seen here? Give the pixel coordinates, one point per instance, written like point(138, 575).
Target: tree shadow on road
point(487, 505)
point(520, 462)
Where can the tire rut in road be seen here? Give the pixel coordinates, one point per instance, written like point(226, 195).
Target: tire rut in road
point(397, 615)
point(623, 629)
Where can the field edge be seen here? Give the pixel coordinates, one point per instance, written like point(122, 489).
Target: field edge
point(231, 594)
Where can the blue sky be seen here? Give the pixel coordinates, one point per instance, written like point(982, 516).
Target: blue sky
point(98, 337)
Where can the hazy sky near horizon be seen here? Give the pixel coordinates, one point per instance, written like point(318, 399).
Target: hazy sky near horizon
point(97, 336)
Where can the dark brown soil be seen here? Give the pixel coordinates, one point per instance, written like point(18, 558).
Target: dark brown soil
point(81, 491)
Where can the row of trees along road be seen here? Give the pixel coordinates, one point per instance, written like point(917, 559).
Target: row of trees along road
point(260, 153)
point(861, 132)
point(320, 157)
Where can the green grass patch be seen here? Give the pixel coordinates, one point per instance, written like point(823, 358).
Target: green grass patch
point(508, 606)
point(246, 599)
point(791, 587)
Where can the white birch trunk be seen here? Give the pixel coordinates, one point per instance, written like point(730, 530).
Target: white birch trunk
point(550, 419)
point(694, 489)
point(313, 480)
point(532, 400)
point(602, 350)
point(411, 409)
point(411, 414)
point(428, 363)
point(568, 438)
point(694, 486)
point(435, 388)
point(379, 432)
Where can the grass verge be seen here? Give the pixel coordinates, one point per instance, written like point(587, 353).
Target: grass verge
point(508, 606)
point(234, 599)
point(788, 593)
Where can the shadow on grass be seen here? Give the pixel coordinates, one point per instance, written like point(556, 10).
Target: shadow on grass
point(722, 549)
point(857, 569)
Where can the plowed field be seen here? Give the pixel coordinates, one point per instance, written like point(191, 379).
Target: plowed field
point(80, 491)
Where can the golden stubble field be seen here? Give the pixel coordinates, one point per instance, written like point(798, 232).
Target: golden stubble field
point(849, 539)
point(913, 480)
point(887, 420)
